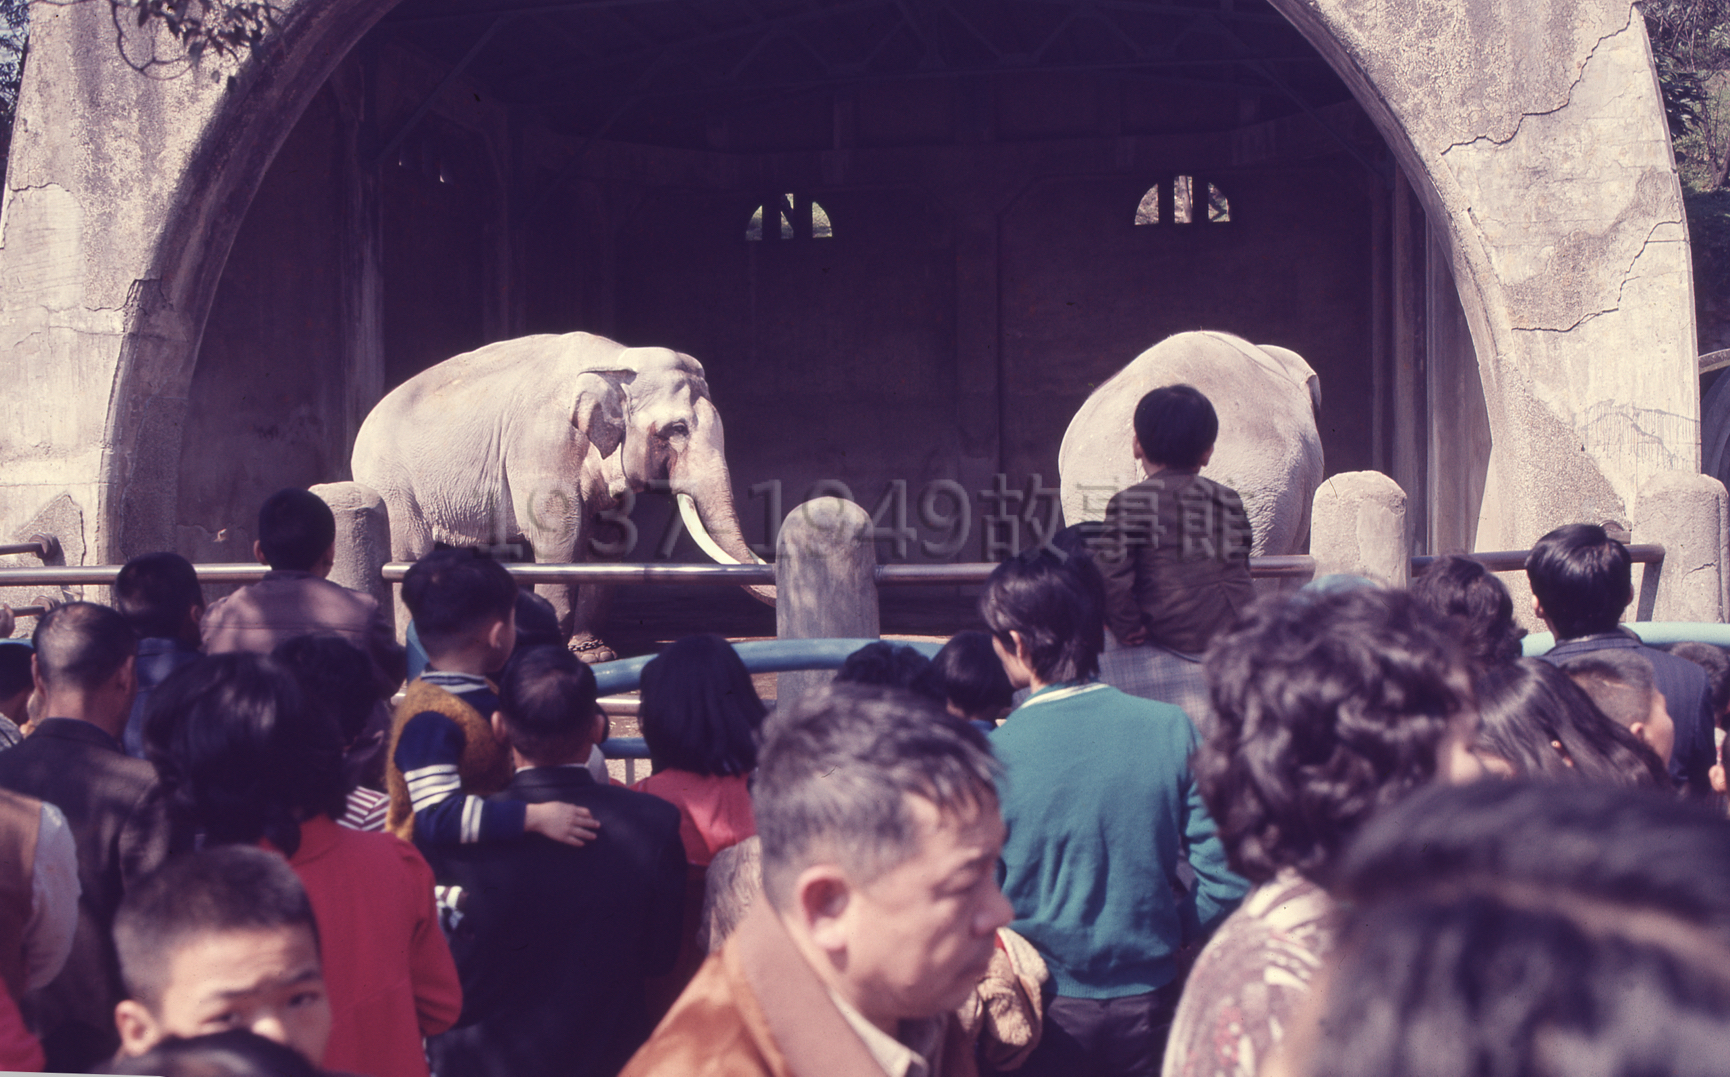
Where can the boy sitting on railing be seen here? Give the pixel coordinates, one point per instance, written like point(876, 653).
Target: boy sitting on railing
point(444, 757)
point(1174, 551)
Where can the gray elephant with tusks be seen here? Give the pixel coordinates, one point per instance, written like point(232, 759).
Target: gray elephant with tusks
point(538, 437)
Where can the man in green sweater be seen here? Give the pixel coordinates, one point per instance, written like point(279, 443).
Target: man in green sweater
point(1100, 806)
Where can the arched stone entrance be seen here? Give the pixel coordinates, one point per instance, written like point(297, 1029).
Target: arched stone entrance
point(1541, 158)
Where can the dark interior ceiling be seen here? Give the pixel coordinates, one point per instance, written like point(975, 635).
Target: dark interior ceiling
point(675, 72)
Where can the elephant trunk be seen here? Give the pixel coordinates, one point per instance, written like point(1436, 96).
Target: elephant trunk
point(704, 489)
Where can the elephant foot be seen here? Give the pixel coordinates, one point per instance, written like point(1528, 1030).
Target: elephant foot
point(590, 648)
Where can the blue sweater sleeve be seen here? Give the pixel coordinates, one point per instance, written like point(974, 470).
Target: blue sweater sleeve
point(1218, 889)
point(429, 753)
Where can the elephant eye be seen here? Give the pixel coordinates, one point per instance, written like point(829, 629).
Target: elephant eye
point(676, 430)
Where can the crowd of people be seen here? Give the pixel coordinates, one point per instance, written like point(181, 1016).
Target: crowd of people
point(1142, 820)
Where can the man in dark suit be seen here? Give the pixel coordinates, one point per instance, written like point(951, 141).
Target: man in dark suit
point(1582, 581)
point(84, 670)
point(554, 941)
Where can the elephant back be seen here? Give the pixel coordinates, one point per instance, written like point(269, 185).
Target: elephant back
point(1268, 450)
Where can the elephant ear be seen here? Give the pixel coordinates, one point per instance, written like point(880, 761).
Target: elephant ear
point(599, 410)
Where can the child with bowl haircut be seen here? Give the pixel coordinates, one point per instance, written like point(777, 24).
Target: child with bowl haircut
point(221, 939)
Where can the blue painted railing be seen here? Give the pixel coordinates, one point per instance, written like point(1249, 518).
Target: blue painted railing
point(760, 656)
point(1655, 633)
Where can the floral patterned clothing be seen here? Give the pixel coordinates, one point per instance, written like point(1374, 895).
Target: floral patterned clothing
point(1250, 979)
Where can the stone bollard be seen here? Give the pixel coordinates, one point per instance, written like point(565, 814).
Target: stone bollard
point(362, 539)
point(825, 582)
point(1358, 528)
point(1687, 514)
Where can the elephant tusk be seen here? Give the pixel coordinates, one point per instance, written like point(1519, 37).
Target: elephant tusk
point(694, 524)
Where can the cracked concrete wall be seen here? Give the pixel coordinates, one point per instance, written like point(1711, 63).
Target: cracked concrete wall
point(1538, 127)
point(129, 175)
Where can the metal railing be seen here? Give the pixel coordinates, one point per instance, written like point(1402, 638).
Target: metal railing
point(759, 656)
point(1515, 560)
point(1283, 566)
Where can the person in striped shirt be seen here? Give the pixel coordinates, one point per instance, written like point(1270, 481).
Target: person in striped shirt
point(444, 757)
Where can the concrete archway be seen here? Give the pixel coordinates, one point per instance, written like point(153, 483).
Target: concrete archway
point(119, 215)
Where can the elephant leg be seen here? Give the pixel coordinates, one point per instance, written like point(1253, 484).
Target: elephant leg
point(410, 540)
point(557, 530)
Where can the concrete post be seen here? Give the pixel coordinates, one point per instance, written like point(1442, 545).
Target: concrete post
point(1686, 513)
point(1358, 528)
point(825, 582)
point(362, 539)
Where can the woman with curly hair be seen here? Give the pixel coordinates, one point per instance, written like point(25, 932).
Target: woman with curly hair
point(1328, 708)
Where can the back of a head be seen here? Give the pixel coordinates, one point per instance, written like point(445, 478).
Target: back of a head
point(1518, 929)
point(1582, 577)
point(15, 673)
point(1618, 681)
point(1464, 589)
point(1329, 706)
point(1544, 725)
point(836, 770)
point(225, 888)
point(1045, 599)
point(893, 665)
point(734, 880)
point(237, 1052)
point(454, 594)
point(1176, 425)
point(80, 645)
point(240, 753)
point(973, 677)
point(699, 710)
point(548, 699)
point(295, 529)
point(1716, 664)
point(335, 676)
point(155, 592)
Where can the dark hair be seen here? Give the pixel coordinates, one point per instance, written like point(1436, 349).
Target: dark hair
point(548, 699)
point(240, 754)
point(1176, 425)
point(699, 710)
point(973, 677)
point(455, 593)
point(895, 665)
point(155, 592)
point(295, 528)
point(1517, 929)
point(80, 645)
point(335, 676)
point(1046, 597)
point(835, 772)
point(1716, 663)
point(226, 888)
point(1528, 707)
point(1329, 706)
point(236, 1052)
point(15, 675)
point(1582, 577)
point(1619, 682)
point(537, 622)
point(1464, 589)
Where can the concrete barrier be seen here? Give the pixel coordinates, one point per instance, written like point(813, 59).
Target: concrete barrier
point(1688, 514)
point(1358, 528)
point(825, 562)
point(362, 540)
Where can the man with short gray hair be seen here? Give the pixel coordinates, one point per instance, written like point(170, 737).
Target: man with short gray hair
point(881, 835)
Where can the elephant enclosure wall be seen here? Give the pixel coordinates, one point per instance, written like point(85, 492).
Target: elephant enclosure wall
point(982, 271)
